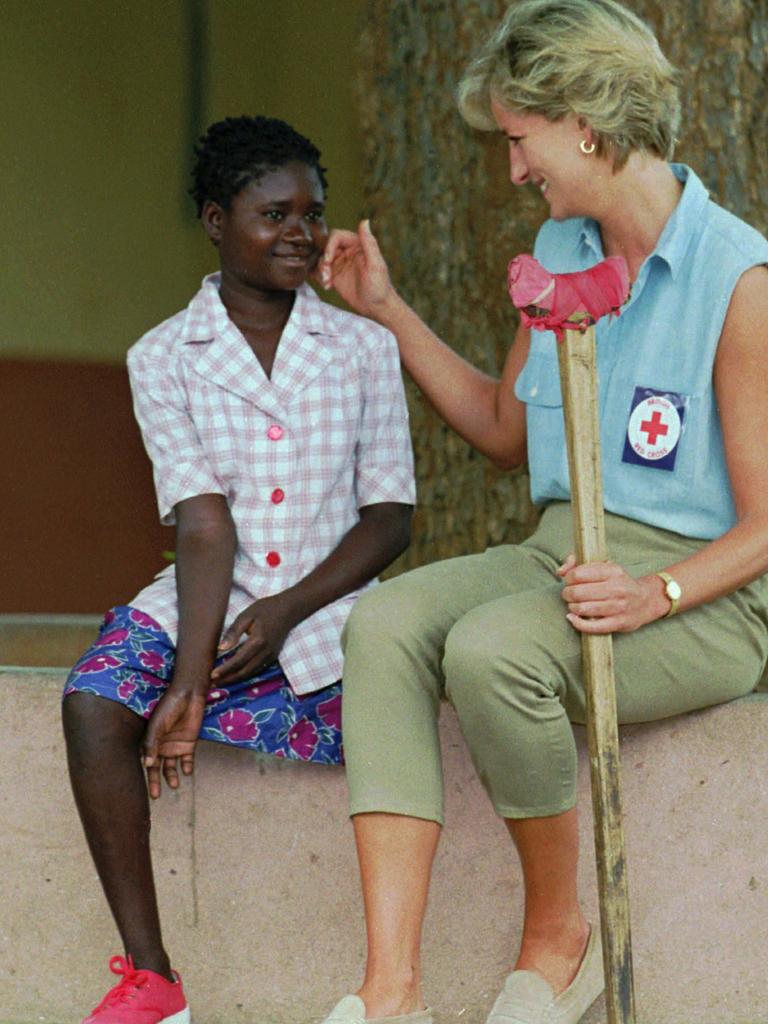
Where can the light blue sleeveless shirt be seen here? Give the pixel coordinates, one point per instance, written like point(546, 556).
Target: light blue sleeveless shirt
point(662, 446)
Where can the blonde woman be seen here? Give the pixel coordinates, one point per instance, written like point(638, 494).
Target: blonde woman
point(588, 107)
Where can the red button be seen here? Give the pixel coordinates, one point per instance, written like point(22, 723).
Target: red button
point(278, 495)
point(275, 432)
point(273, 559)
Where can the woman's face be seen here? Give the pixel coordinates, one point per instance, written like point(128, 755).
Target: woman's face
point(546, 154)
point(274, 231)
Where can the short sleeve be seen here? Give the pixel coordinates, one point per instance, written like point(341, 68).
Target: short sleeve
point(179, 463)
point(384, 469)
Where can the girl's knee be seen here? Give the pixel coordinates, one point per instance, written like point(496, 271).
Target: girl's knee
point(76, 709)
point(90, 719)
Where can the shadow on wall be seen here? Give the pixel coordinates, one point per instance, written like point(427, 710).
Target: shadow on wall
point(80, 524)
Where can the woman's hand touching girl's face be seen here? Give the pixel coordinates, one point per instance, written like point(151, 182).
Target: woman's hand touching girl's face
point(354, 266)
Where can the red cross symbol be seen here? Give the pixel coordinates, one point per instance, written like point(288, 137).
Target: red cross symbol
point(653, 427)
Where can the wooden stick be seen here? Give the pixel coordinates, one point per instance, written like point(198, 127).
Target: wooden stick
point(578, 382)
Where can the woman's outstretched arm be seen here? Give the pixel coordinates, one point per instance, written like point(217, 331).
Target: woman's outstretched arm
point(481, 409)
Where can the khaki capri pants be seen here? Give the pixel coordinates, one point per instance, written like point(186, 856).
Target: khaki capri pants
point(488, 633)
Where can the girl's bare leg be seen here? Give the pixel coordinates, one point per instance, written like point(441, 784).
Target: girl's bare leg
point(103, 740)
point(555, 931)
point(395, 855)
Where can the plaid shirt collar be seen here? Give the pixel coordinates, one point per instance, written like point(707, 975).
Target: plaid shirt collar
point(224, 357)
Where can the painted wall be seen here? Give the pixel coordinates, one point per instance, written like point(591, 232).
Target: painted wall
point(98, 239)
point(99, 242)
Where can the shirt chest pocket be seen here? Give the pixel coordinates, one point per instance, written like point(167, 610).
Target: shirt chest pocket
point(328, 418)
point(658, 433)
point(538, 386)
point(234, 435)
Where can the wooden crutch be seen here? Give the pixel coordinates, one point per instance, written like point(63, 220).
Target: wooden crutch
point(583, 299)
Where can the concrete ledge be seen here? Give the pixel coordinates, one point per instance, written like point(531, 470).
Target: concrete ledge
point(46, 640)
point(258, 883)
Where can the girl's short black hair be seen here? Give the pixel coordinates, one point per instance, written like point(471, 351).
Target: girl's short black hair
point(238, 150)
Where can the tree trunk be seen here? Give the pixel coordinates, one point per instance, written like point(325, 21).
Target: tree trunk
point(440, 201)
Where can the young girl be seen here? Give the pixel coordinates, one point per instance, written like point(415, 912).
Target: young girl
point(278, 433)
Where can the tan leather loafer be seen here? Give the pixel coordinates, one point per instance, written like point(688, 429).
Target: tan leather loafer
point(351, 1010)
point(528, 998)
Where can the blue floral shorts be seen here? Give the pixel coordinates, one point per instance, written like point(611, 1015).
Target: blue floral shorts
point(132, 662)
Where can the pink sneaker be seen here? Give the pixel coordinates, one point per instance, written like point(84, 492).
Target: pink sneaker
point(142, 997)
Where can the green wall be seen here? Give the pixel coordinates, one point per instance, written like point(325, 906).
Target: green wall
point(98, 241)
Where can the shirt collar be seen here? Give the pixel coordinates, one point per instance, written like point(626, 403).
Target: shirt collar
point(677, 234)
point(589, 237)
point(206, 316)
point(311, 314)
point(687, 215)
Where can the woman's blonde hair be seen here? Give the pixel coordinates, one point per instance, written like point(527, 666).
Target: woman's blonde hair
point(589, 58)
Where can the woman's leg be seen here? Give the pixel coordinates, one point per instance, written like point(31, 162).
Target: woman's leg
point(394, 644)
point(393, 685)
point(513, 673)
point(555, 931)
point(507, 666)
point(103, 740)
point(395, 855)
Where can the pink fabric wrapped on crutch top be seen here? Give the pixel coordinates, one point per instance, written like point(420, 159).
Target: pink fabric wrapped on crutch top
point(556, 302)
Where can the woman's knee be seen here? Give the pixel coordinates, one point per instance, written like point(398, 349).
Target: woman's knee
point(492, 658)
point(394, 610)
point(477, 648)
point(370, 611)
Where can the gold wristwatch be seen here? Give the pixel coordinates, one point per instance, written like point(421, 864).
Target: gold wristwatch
point(673, 590)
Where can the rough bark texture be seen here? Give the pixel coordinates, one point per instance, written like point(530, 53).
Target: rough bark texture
point(448, 219)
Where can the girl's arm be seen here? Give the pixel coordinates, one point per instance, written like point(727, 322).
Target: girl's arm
point(482, 410)
point(601, 597)
point(205, 549)
point(381, 534)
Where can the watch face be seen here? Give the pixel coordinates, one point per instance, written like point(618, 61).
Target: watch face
point(674, 592)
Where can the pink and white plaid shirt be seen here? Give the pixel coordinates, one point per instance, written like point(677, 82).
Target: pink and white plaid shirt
point(295, 456)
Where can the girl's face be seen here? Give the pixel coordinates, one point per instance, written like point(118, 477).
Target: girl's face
point(546, 154)
point(274, 232)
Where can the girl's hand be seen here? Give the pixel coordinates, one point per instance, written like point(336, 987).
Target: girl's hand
point(171, 738)
point(267, 623)
point(353, 265)
point(603, 598)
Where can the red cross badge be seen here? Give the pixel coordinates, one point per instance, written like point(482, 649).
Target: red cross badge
point(654, 428)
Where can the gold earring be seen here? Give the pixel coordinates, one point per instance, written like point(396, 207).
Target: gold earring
point(587, 148)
